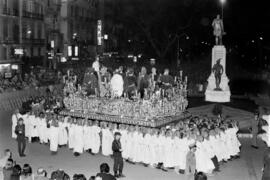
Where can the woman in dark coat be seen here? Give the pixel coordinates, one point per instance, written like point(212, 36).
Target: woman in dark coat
point(266, 165)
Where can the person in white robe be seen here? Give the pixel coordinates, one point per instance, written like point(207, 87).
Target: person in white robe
point(43, 129)
point(138, 145)
point(117, 85)
point(87, 135)
point(33, 125)
point(15, 117)
point(63, 135)
point(107, 139)
point(71, 133)
point(146, 147)
point(78, 134)
point(124, 140)
point(130, 144)
point(266, 136)
point(54, 131)
point(27, 123)
point(96, 138)
point(169, 155)
point(203, 160)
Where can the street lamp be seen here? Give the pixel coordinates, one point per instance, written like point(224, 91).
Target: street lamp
point(222, 4)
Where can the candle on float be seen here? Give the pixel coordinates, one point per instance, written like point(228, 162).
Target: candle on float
point(186, 78)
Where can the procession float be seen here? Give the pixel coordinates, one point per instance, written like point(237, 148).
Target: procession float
point(156, 109)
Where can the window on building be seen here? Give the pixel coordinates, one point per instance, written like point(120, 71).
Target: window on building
point(4, 53)
point(16, 32)
point(39, 31)
point(5, 29)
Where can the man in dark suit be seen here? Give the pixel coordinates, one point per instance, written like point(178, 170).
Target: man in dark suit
point(20, 131)
point(117, 155)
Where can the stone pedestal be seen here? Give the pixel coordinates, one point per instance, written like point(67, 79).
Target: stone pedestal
point(223, 95)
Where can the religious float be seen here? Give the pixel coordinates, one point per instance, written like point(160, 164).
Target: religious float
point(158, 109)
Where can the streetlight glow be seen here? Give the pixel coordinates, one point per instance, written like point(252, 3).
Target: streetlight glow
point(222, 1)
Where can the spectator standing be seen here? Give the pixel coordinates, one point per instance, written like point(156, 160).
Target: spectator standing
point(200, 176)
point(20, 132)
point(3, 162)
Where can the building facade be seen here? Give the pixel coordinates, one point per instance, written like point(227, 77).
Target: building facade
point(78, 27)
point(22, 27)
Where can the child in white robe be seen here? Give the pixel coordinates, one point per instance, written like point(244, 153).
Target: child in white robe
point(124, 139)
point(78, 138)
point(63, 135)
point(138, 145)
point(71, 133)
point(27, 124)
point(95, 138)
point(130, 144)
point(146, 147)
point(43, 130)
point(203, 160)
point(54, 136)
point(169, 155)
point(87, 135)
point(107, 139)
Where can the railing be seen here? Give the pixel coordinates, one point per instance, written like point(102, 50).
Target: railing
point(33, 41)
point(27, 14)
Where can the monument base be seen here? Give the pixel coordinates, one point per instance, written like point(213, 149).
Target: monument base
point(213, 94)
point(217, 96)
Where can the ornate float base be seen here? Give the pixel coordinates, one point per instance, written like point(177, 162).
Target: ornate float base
point(154, 123)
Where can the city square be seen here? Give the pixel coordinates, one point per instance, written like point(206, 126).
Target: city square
point(134, 89)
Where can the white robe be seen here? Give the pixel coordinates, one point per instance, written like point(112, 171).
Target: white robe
point(95, 139)
point(169, 155)
point(43, 131)
point(71, 135)
point(138, 147)
point(146, 149)
point(33, 126)
point(79, 143)
point(14, 118)
point(27, 124)
point(124, 142)
point(54, 131)
point(130, 145)
point(87, 137)
point(107, 139)
point(63, 135)
point(203, 161)
point(117, 85)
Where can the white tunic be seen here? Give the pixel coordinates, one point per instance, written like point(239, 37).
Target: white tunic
point(54, 138)
point(107, 139)
point(117, 85)
point(169, 155)
point(95, 139)
point(203, 161)
point(43, 131)
point(63, 135)
point(79, 143)
point(71, 135)
point(87, 137)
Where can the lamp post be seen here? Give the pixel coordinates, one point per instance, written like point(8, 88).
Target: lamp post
point(222, 4)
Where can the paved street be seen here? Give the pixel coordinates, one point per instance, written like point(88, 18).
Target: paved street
point(248, 167)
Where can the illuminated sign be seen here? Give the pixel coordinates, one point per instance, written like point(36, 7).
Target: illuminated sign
point(69, 50)
point(18, 51)
point(52, 44)
point(76, 50)
point(99, 32)
point(14, 67)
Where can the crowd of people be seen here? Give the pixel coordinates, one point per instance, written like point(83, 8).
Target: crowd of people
point(29, 80)
point(195, 144)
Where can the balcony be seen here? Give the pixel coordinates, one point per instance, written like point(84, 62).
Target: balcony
point(37, 16)
point(6, 11)
point(9, 40)
point(33, 41)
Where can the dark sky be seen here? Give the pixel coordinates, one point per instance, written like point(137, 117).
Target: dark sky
point(247, 19)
